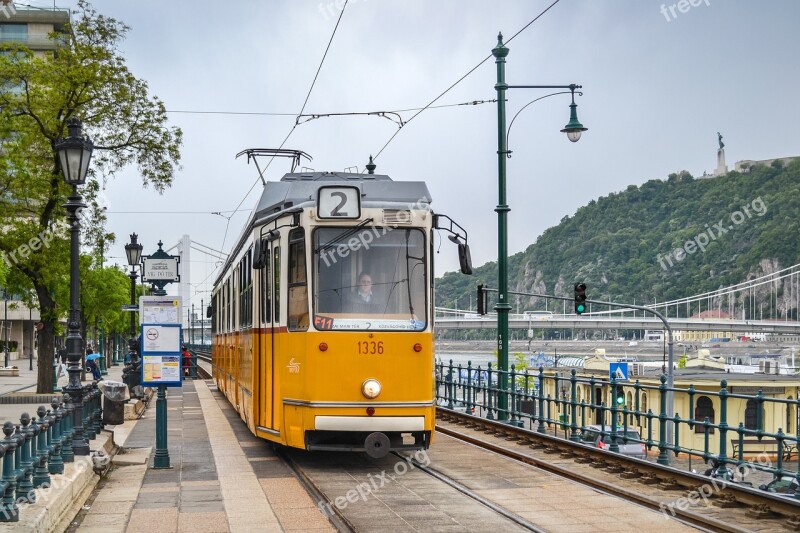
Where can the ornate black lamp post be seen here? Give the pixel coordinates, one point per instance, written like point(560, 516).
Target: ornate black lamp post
point(134, 252)
point(74, 154)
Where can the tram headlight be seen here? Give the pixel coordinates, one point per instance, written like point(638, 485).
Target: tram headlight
point(371, 388)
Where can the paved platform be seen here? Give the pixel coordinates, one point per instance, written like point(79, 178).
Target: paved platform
point(222, 478)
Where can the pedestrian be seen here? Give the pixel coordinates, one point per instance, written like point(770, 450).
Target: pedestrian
point(91, 364)
point(187, 361)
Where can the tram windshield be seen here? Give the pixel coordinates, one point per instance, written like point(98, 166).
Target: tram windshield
point(370, 278)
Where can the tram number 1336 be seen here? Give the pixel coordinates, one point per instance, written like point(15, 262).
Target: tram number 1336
point(370, 347)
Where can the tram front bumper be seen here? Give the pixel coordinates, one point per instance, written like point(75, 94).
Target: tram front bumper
point(375, 435)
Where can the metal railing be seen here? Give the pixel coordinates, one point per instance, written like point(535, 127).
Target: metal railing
point(37, 448)
point(477, 391)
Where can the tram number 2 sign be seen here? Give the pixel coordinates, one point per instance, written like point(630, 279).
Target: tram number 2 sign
point(370, 347)
point(339, 202)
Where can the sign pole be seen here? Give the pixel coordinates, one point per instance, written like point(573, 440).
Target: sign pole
point(161, 458)
point(161, 360)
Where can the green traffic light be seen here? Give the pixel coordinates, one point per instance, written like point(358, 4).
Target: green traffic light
point(580, 308)
point(620, 400)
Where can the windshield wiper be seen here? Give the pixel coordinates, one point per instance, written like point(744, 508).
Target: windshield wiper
point(342, 236)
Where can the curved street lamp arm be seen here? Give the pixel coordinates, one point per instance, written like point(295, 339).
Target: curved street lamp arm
point(508, 132)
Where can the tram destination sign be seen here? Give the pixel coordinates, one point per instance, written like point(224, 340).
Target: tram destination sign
point(160, 268)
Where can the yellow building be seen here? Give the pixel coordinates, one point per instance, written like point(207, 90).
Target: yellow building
point(779, 408)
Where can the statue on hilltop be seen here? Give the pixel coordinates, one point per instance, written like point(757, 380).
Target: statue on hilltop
point(721, 144)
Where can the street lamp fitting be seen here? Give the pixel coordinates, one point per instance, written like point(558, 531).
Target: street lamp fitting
point(74, 153)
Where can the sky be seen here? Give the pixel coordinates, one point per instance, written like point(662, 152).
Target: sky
point(659, 81)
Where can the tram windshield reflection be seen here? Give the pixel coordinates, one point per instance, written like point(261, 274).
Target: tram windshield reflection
point(373, 278)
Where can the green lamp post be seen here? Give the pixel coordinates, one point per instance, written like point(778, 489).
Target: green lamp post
point(573, 129)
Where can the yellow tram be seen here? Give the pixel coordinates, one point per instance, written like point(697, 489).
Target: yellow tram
point(310, 353)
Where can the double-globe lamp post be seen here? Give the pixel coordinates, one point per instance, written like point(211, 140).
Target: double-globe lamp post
point(74, 154)
point(134, 252)
point(573, 130)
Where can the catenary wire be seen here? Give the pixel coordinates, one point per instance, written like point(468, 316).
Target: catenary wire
point(473, 69)
point(308, 95)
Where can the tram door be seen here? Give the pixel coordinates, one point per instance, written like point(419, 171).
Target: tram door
point(269, 287)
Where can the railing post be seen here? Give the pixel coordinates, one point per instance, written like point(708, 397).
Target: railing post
point(25, 466)
point(691, 393)
point(56, 462)
point(573, 381)
point(9, 512)
point(489, 392)
point(740, 433)
point(449, 385)
point(98, 412)
point(779, 437)
point(676, 443)
point(663, 457)
point(66, 435)
point(540, 394)
point(760, 414)
point(40, 473)
point(723, 428)
point(20, 470)
point(614, 446)
point(515, 419)
point(86, 413)
point(468, 403)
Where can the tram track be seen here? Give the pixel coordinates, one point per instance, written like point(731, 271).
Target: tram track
point(624, 477)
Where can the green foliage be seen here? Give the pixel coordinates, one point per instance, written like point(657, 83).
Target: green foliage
point(623, 245)
point(86, 78)
point(12, 345)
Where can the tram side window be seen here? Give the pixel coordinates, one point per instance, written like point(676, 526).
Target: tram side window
point(266, 291)
point(249, 290)
point(276, 272)
point(214, 315)
point(298, 287)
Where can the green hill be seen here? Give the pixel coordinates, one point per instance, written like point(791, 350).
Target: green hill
point(623, 246)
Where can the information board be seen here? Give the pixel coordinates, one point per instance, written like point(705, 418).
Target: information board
point(161, 340)
point(161, 370)
point(160, 310)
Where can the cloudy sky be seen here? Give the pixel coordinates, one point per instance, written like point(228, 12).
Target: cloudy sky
point(658, 84)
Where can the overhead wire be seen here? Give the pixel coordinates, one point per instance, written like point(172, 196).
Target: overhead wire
point(305, 102)
point(270, 114)
point(473, 69)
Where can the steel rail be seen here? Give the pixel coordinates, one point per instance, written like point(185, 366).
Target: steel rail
point(473, 495)
point(336, 518)
point(744, 495)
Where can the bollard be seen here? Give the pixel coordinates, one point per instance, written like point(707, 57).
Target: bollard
point(56, 462)
point(25, 467)
point(66, 431)
point(40, 473)
point(9, 512)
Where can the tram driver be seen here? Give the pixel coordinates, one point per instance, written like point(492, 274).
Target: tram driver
point(363, 300)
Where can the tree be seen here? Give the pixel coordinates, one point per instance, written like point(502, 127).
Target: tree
point(85, 78)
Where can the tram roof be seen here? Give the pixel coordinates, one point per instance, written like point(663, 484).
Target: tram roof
point(296, 189)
